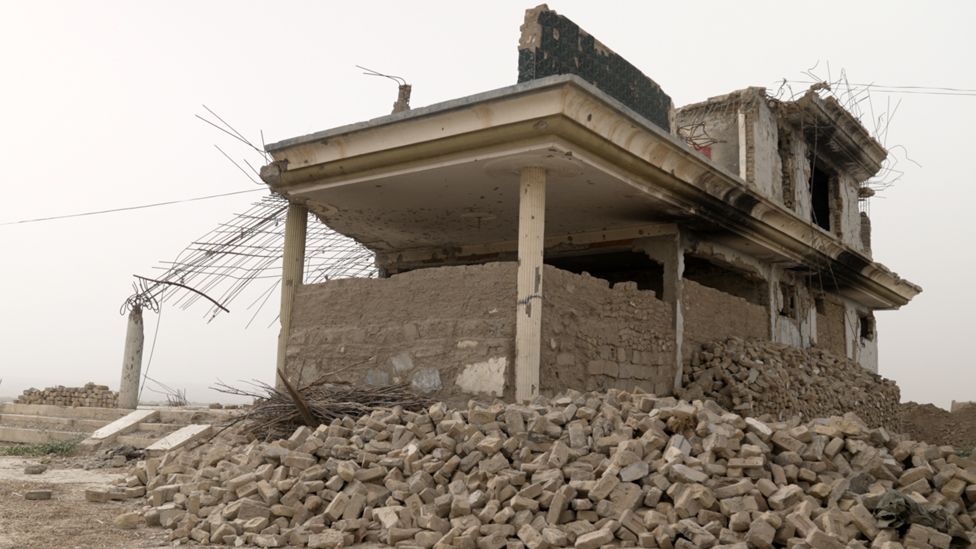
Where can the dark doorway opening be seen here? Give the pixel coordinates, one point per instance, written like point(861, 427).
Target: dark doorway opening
point(820, 196)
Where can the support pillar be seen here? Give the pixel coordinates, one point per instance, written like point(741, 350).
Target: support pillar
point(528, 319)
point(131, 361)
point(674, 272)
point(668, 250)
point(292, 275)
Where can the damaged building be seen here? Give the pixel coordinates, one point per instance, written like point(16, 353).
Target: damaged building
point(575, 230)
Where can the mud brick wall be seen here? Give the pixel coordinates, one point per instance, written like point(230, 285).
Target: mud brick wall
point(830, 329)
point(711, 315)
point(552, 44)
point(91, 395)
point(596, 337)
point(422, 327)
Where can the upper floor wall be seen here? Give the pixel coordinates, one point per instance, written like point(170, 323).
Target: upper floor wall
point(810, 155)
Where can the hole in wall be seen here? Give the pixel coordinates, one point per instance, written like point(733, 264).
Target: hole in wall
point(820, 196)
point(867, 327)
point(616, 267)
point(724, 279)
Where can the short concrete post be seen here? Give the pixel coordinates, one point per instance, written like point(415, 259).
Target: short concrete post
point(292, 275)
point(131, 361)
point(528, 319)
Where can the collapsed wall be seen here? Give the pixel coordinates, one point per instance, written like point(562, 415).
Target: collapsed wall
point(756, 378)
point(91, 395)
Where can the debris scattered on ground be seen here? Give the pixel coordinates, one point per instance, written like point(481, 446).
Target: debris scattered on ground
point(90, 395)
point(756, 378)
point(37, 494)
point(276, 414)
point(34, 468)
point(583, 470)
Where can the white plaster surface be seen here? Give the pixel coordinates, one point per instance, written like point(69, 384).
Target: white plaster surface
point(484, 377)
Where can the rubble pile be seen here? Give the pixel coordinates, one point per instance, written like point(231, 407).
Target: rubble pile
point(753, 378)
point(91, 395)
point(580, 470)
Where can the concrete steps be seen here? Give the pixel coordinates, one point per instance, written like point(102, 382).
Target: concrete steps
point(48, 410)
point(50, 423)
point(42, 423)
point(24, 435)
point(157, 429)
point(100, 427)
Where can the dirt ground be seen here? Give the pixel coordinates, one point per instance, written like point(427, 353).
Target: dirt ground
point(937, 426)
point(66, 520)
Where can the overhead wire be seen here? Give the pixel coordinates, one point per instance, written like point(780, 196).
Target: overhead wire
point(920, 90)
point(127, 208)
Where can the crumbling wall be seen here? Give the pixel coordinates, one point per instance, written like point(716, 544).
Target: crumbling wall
point(830, 328)
point(716, 124)
point(848, 214)
point(762, 139)
point(794, 156)
point(595, 336)
point(867, 353)
point(710, 314)
point(743, 136)
point(793, 312)
point(865, 233)
point(434, 328)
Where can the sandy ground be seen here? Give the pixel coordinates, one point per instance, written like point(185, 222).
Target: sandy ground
point(66, 520)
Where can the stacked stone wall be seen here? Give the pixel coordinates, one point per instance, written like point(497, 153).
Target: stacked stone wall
point(711, 314)
point(595, 336)
point(439, 329)
point(830, 329)
point(91, 395)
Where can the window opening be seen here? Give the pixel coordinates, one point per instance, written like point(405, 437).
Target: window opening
point(819, 196)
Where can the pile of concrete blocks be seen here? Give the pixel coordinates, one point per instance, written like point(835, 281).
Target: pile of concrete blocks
point(91, 395)
point(754, 377)
point(580, 470)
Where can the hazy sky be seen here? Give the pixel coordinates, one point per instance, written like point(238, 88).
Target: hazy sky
point(96, 111)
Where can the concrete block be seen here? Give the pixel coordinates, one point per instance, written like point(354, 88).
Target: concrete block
point(179, 438)
point(37, 495)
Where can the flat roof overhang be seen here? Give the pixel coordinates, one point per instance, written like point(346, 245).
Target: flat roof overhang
point(446, 176)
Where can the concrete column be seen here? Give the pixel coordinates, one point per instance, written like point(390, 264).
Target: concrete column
point(668, 250)
point(292, 274)
point(528, 319)
point(131, 361)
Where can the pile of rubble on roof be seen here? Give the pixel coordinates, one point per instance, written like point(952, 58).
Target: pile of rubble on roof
point(90, 395)
point(756, 378)
point(583, 470)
